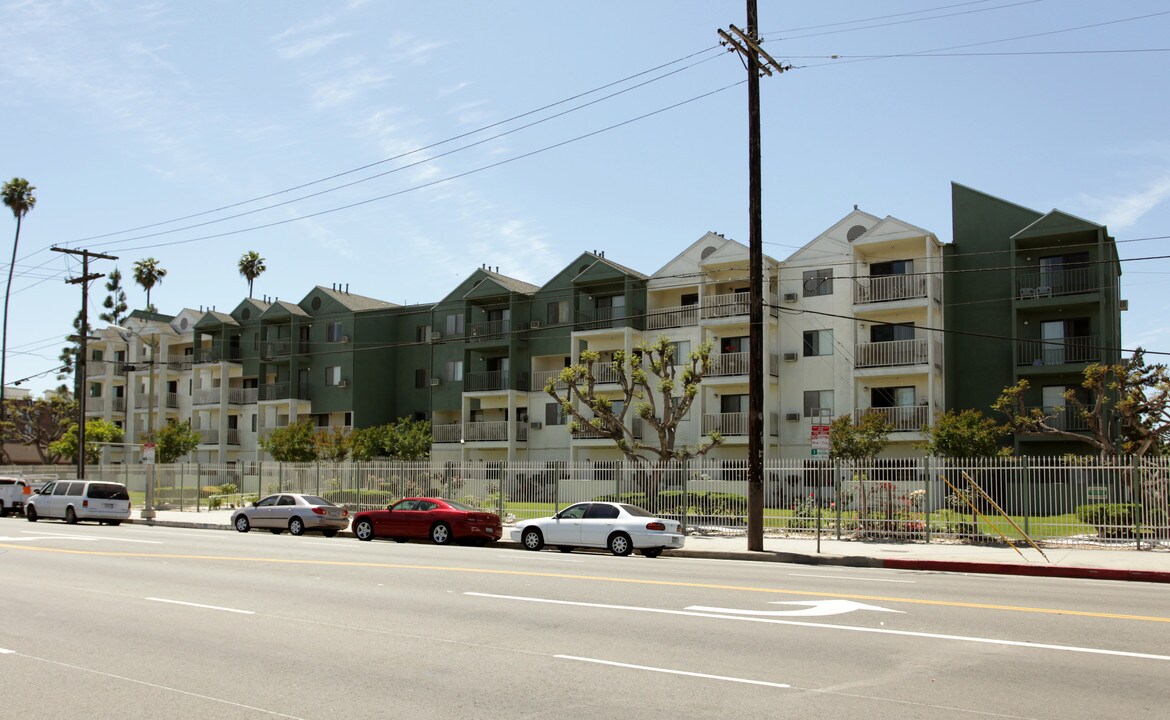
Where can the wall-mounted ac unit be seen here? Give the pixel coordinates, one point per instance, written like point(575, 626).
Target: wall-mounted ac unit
point(536, 425)
point(535, 325)
point(790, 357)
point(792, 417)
point(343, 383)
point(435, 382)
point(345, 338)
point(436, 335)
point(789, 297)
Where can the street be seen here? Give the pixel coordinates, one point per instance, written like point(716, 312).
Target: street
point(147, 622)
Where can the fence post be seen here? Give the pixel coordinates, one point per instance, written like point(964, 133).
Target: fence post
point(318, 493)
point(926, 495)
point(1029, 495)
point(447, 479)
point(686, 505)
point(837, 493)
point(1139, 506)
point(500, 494)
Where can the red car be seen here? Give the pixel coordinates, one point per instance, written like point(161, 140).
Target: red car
point(426, 517)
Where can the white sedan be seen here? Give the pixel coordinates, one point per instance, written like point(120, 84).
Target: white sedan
point(619, 527)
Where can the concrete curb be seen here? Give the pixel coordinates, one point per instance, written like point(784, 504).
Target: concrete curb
point(862, 561)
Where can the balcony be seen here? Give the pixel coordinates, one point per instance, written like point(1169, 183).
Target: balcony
point(95, 405)
point(1035, 284)
point(488, 330)
point(171, 399)
point(205, 396)
point(588, 432)
point(277, 348)
point(211, 437)
point(493, 431)
point(1057, 351)
point(726, 305)
point(672, 317)
point(100, 367)
point(283, 391)
point(541, 378)
point(892, 288)
point(495, 380)
point(605, 318)
point(144, 401)
point(1064, 417)
point(180, 363)
point(891, 353)
point(725, 364)
point(449, 433)
point(735, 423)
point(905, 418)
point(206, 356)
point(243, 396)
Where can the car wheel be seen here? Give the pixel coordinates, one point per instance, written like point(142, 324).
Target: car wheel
point(31, 513)
point(113, 522)
point(329, 533)
point(363, 530)
point(276, 531)
point(651, 552)
point(480, 542)
point(242, 523)
point(401, 540)
point(532, 539)
point(441, 534)
point(70, 516)
point(619, 544)
point(3, 509)
point(296, 526)
point(565, 548)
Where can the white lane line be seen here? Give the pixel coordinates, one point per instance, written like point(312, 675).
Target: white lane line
point(6, 651)
point(831, 626)
point(538, 556)
point(89, 537)
point(206, 607)
point(673, 672)
point(41, 537)
point(846, 577)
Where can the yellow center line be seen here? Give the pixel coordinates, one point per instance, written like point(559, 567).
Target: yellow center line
point(598, 578)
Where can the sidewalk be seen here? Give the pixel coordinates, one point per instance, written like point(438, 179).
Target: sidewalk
point(1104, 564)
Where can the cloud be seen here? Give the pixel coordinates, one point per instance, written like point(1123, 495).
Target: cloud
point(309, 46)
point(1119, 212)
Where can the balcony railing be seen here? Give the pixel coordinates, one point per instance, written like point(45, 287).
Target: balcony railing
point(493, 431)
point(541, 378)
point(171, 399)
point(277, 348)
point(144, 401)
point(905, 418)
point(283, 391)
point(211, 355)
point(735, 423)
point(118, 404)
point(488, 330)
point(1035, 284)
point(99, 367)
point(672, 317)
point(243, 396)
point(726, 305)
point(728, 363)
point(891, 353)
point(179, 362)
point(495, 380)
point(95, 405)
point(449, 433)
point(605, 317)
point(1065, 417)
point(205, 396)
point(1058, 351)
point(889, 288)
point(588, 432)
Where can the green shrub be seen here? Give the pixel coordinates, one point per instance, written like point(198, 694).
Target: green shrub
point(228, 489)
point(1110, 519)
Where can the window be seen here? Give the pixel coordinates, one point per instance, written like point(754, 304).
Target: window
point(422, 333)
point(893, 267)
point(689, 299)
point(675, 403)
point(420, 378)
point(616, 304)
point(558, 312)
point(818, 282)
point(735, 344)
point(95, 390)
point(891, 332)
point(253, 422)
point(97, 355)
point(733, 403)
point(455, 324)
point(680, 351)
point(883, 397)
point(454, 370)
point(333, 375)
point(333, 332)
point(818, 342)
point(818, 403)
point(601, 511)
point(554, 414)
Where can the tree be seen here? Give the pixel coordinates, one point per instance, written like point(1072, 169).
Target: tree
point(40, 423)
point(862, 440)
point(251, 265)
point(68, 358)
point(115, 302)
point(674, 385)
point(1136, 393)
point(148, 273)
point(293, 443)
point(174, 440)
point(966, 434)
point(366, 443)
point(96, 431)
point(331, 444)
point(19, 198)
point(407, 439)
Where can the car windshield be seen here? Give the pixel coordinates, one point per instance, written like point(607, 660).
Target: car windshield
point(461, 506)
point(108, 491)
point(636, 511)
point(314, 500)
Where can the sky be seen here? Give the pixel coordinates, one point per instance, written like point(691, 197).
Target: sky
point(395, 146)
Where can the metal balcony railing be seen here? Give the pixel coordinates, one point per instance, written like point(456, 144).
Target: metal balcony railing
point(449, 433)
point(889, 288)
point(726, 305)
point(488, 330)
point(1065, 417)
point(672, 317)
point(1034, 283)
point(1057, 351)
point(728, 363)
point(495, 380)
point(541, 378)
point(493, 431)
point(243, 396)
point(891, 353)
point(735, 423)
point(588, 432)
point(283, 391)
point(905, 418)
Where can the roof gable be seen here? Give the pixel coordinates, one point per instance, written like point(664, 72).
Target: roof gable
point(1057, 223)
point(688, 260)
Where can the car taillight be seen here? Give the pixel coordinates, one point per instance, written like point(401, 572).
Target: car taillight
point(318, 511)
point(655, 526)
point(344, 512)
point(85, 503)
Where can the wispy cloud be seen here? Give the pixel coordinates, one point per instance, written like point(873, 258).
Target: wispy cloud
point(1119, 212)
point(309, 46)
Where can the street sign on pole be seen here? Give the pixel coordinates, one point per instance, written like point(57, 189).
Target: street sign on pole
point(148, 454)
point(819, 440)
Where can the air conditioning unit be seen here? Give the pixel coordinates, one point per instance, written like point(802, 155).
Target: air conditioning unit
point(435, 382)
point(792, 417)
point(789, 297)
point(345, 338)
point(436, 335)
point(535, 324)
point(343, 383)
point(790, 357)
point(536, 425)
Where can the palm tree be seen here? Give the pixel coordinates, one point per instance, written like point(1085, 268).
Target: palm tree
point(18, 197)
point(251, 265)
point(148, 273)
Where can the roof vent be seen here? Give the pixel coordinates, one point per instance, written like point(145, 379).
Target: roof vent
point(855, 232)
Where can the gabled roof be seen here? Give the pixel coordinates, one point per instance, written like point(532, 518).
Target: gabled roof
point(836, 235)
point(149, 316)
point(352, 302)
point(283, 308)
point(604, 269)
point(1057, 222)
point(512, 284)
point(212, 317)
point(689, 258)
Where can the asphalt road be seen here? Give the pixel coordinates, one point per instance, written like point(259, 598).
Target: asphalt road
point(151, 622)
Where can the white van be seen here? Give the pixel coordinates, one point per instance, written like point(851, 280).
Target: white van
point(73, 500)
point(13, 494)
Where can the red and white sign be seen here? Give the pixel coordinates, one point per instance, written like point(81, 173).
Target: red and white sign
point(819, 440)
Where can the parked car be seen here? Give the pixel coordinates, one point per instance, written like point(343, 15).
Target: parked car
point(73, 500)
point(618, 527)
point(13, 493)
point(442, 521)
point(292, 511)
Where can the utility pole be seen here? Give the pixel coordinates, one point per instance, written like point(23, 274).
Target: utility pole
point(79, 366)
point(747, 44)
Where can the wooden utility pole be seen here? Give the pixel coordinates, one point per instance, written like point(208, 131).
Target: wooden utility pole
point(747, 44)
point(83, 341)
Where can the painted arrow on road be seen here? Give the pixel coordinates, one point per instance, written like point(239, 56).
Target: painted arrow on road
point(816, 608)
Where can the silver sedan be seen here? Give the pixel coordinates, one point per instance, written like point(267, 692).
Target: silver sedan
point(293, 512)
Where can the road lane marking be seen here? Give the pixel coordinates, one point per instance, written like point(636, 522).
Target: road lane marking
point(830, 626)
point(6, 651)
point(593, 578)
point(817, 608)
point(68, 536)
point(668, 671)
point(206, 607)
point(538, 556)
point(847, 577)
